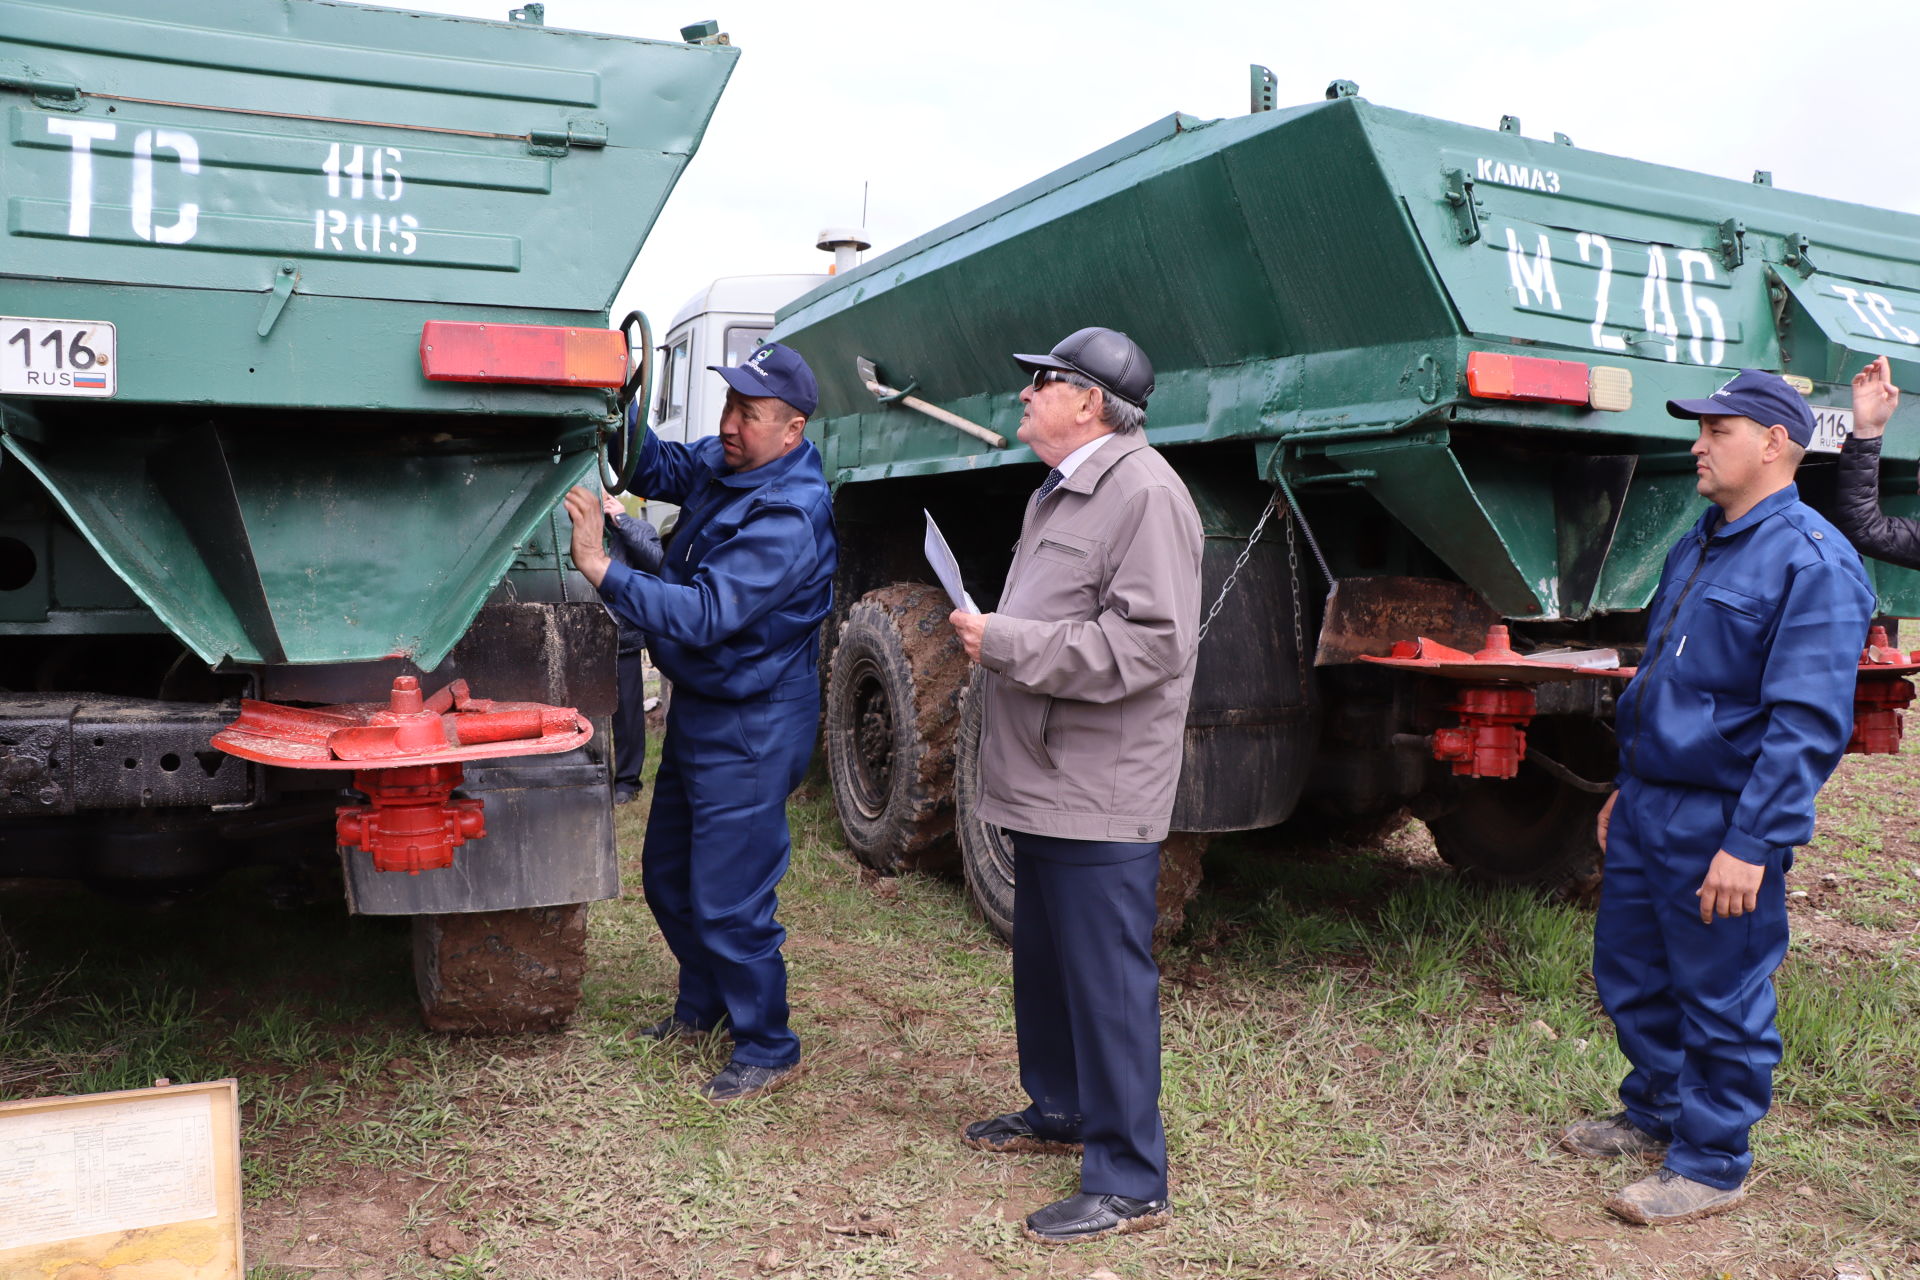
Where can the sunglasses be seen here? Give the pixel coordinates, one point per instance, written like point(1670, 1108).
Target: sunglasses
point(1041, 377)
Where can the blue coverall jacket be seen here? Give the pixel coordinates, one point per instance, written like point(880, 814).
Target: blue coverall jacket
point(1741, 707)
point(1747, 682)
point(736, 609)
point(733, 619)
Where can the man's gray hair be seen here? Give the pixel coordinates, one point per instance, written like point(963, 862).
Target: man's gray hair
point(1115, 414)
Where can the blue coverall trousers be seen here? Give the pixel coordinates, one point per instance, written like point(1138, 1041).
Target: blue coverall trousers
point(1086, 1005)
point(1692, 1003)
point(717, 845)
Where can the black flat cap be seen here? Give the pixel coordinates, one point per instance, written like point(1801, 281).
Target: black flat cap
point(1106, 356)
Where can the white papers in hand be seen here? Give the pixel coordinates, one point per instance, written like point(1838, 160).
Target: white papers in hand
point(945, 567)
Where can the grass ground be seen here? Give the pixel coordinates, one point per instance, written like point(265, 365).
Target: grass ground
point(1365, 1064)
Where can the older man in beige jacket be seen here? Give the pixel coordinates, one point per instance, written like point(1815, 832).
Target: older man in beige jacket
point(1089, 664)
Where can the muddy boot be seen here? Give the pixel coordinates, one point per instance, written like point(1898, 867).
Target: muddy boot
point(1011, 1133)
point(1668, 1197)
point(1614, 1136)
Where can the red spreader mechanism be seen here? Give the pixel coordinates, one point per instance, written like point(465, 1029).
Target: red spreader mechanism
point(1496, 699)
point(406, 754)
point(1881, 692)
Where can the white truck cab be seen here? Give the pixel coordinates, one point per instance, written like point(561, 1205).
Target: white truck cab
point(722, 324)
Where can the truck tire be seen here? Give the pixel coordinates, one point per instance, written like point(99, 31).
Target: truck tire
point(986, 852)
point(892, 704)
point(500, 972)
point(1531, 830)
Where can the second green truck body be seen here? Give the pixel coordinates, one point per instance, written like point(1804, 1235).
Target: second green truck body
point(1442, 352)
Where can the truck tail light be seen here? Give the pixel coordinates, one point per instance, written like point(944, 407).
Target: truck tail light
point(545, 355)
point(1491, 376)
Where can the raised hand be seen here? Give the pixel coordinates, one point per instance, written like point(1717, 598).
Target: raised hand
point(1874, 399)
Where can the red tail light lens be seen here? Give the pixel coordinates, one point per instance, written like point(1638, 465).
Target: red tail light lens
point(545, 355)
point(1491, 376)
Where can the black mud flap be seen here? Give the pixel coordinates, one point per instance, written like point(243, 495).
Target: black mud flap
point(549, 842)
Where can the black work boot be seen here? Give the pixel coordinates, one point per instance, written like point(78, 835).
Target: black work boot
point(668, 1028)
point(676, 1028)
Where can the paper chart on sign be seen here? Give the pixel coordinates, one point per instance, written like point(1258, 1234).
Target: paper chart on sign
point(945, 567)
point(114, 1167)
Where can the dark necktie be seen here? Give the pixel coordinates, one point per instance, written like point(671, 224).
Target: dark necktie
point(1053, 480)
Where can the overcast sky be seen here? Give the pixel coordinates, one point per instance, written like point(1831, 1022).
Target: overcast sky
point(942, 107)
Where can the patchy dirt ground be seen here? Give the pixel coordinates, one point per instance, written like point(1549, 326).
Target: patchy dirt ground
point(1365, 1067)
point(1308, 1140)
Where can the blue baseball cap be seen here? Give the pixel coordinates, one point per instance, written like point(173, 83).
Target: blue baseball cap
point(1767, 398)
point(774, 370)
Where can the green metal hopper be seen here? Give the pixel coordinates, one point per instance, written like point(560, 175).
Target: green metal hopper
point(265, 202)
point(1314, 280)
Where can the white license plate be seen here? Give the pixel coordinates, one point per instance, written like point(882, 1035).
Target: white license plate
point(1831, 427)
point(56, 357)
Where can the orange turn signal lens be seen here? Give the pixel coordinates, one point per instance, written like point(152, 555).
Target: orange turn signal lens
point(540, 354)
point(1491, 376)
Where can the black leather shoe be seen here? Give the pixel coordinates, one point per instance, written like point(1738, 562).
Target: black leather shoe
point(739, 1081)
point(1011, 1134)
point(1088, 1217)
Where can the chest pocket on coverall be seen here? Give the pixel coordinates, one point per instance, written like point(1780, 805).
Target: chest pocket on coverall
point(1726, 641)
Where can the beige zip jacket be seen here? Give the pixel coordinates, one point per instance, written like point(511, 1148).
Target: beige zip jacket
point(1090, 654)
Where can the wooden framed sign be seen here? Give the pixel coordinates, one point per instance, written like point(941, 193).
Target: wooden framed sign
point(136, 1184)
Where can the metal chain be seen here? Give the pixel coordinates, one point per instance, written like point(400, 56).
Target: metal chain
point(1313, 543)
point(1294, 589)
point(1245, 553)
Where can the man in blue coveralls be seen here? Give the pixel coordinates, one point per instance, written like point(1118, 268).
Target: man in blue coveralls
point(1741, 708)
point(734, 622)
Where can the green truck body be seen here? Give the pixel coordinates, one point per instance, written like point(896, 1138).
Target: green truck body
point(1312, 285)
point(222, 468)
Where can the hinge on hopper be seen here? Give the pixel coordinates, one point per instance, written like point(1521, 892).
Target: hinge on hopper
point(1733, 244)
point(1460, 198)
point(1799, 254)
point(49, 95)
point(580, 132)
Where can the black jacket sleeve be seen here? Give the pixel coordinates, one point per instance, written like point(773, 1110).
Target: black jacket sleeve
point(636, 544)
point(1895, 539)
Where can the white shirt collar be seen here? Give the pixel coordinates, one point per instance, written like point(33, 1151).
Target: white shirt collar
point(1070, 463)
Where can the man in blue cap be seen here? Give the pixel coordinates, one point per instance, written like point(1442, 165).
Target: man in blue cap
point(1740, 710)
point(733, 619)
